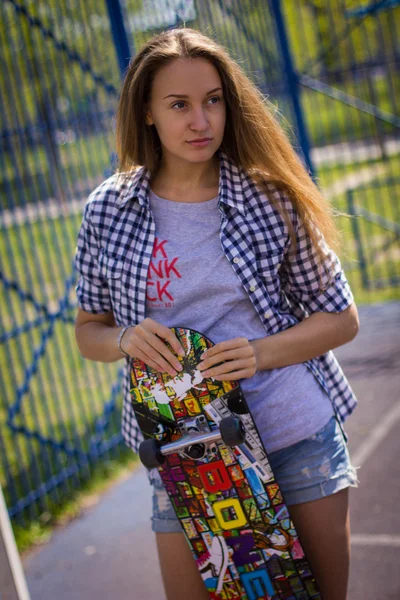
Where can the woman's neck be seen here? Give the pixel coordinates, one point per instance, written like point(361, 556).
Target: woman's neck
point(198, 181)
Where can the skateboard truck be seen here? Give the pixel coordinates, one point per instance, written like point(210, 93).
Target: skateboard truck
point(194, 444)
point(190, 427)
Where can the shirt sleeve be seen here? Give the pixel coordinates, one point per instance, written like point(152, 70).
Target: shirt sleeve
point(319, 285)
point(92, 290)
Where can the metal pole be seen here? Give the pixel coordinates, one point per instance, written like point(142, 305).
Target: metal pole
point(119, 34)
point(12, 579)
point(292, 82)
point(355, 224)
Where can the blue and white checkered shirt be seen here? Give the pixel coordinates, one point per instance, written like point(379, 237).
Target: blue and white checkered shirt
point(115, 244)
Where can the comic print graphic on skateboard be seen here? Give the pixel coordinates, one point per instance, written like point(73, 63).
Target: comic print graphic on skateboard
point(200, 435)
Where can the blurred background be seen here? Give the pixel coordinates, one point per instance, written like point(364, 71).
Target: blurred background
point(330, 67)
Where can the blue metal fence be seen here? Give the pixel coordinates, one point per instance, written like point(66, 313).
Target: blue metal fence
point(58, 415)
point(334, 78)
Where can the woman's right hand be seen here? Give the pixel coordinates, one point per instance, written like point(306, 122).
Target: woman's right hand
point(146, 342)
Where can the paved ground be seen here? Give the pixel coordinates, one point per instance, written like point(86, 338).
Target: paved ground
point(109, 551)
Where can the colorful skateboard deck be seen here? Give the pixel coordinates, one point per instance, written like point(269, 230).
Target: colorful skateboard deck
point(226, 497)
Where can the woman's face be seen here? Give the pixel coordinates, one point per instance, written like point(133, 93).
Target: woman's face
point(188, 109)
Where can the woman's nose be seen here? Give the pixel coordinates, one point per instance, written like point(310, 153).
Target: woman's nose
point(199, 121)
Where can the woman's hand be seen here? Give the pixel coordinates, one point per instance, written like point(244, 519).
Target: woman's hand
point(239, 358)
point(146, 342)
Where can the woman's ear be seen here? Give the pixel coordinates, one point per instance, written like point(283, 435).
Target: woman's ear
point(148, 119)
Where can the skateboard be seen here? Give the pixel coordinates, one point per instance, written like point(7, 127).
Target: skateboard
point(199, 434)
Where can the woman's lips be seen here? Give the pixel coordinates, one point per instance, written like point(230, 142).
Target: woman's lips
point(200, 143)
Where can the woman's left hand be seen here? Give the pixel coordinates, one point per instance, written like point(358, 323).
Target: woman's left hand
point(238, 358)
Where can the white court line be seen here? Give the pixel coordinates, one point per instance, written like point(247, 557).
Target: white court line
point(375, 539)
point(369, 445)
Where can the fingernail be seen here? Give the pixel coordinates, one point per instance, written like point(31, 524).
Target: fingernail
point(202, 355)
point(200, 365)
point(178, 367)
point(181, 352)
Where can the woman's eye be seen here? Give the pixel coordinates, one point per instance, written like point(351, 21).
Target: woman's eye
point(181, 104)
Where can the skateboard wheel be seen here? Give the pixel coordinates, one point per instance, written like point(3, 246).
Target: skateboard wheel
point(150, 454)
point(232, 431)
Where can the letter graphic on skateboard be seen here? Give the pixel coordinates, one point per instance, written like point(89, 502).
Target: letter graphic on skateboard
point(201, 437)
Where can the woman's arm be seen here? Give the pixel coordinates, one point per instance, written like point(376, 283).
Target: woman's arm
point(97, 339)
point(96, 336)
point(314, 336)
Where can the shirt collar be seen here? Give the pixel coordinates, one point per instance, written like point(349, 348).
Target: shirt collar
point(136, 185)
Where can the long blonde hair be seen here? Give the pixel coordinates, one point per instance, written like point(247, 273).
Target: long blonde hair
point(253, 138)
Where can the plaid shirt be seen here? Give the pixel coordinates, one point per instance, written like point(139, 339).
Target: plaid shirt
point(115, 245)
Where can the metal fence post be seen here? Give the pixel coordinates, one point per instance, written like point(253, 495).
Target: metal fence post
point(292, 81)
point(357, 236)
point(119, 34)
point(12, 579)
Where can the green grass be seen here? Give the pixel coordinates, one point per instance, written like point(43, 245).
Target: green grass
point(85, 154)
point(329, 120)
point(380, 169)
point(66, 394)
point(379, 198)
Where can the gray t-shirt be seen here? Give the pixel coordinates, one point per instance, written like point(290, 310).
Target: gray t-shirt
point(192, 284)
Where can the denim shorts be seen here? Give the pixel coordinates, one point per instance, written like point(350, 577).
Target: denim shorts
point(313, 468)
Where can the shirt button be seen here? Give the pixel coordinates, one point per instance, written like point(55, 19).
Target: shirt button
point(236, 260)
point(252, 288)
point(268, 314)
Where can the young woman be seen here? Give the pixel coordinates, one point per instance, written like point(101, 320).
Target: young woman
point(213, 223)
